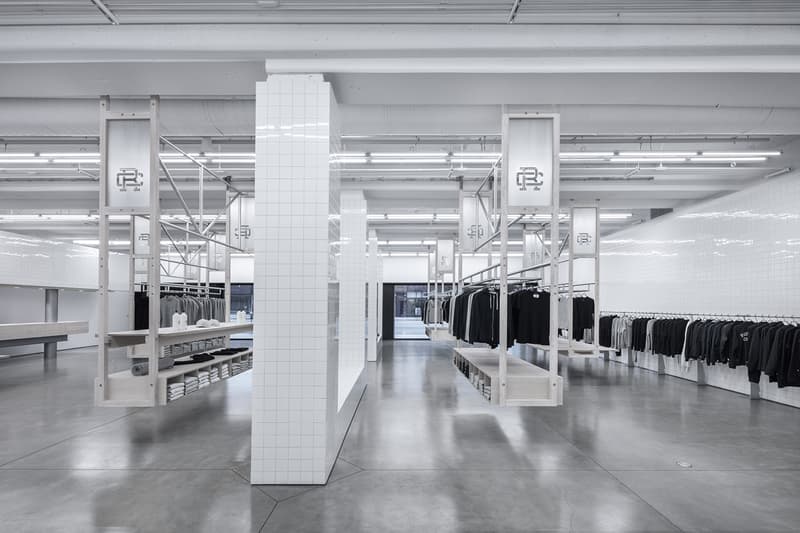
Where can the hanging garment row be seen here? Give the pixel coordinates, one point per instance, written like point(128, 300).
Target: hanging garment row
point(429, 309)
point(476, 316)
point(195, 307)
point(582, 316)
point(766, 348)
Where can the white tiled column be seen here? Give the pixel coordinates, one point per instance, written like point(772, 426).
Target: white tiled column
point(372, 298)
point(353, 282)
point(294, 431)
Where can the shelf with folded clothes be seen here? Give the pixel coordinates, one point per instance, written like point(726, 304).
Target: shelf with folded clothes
point(224, 364)
point(526, 383)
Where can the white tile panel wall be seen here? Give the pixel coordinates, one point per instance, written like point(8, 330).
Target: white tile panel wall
point(352, 299)
point(738, 254)
point(296, 290)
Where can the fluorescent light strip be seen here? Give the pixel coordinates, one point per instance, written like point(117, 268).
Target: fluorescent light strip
point(648, 160)
point(727, 159)
point(13, 155)
point(409, 154)
point(233, 161)
point(25, 161)
point(584, 155)
point(396, 161)
point(75, 161)
point(467, 160)
point(71, 154)
point(487, 155)
point(742, 154)
point(658, 154)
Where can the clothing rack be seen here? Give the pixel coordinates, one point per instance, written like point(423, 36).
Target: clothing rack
point(186, 289)
point(708, 316)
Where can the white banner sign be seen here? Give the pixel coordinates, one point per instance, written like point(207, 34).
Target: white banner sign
point(216, 252)
point(141, 243)
point(243, 212)
point(584, 232)
point(128, 163)
point(445, 250)
point(432, 266)
point(475, 225)
point(529, 152)
point(532, 254)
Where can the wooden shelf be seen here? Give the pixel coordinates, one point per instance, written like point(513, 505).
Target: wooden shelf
point(167, 336)
point(526, 383)
point(124, 386)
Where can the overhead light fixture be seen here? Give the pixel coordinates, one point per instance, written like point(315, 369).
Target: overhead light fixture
point(75, 161)
point(772, 153)
point(401, 161)
point(376, 217)
point(345, 155)
point(584, 155)
point(235, 161)
point(16, 155)
point(615, 216)
point(728, 159)
point(446, 216)
point(352, 160)
point(70, 154)
point(409, 216)
point(229, 154)
point(26, 161)
point(658, 155)
point(469, 160)
point(408, 154)
point(485, 155)
point(648, 160)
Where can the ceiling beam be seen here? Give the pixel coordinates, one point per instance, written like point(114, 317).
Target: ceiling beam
point(106, 11)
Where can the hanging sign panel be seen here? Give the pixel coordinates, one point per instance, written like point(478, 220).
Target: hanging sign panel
point(216, 252)
point(529, 152)
point(584, 232)
point(475, 225)
point(128, 163)
point(431, 266)
point(243, 212)
point(445, 250)
point(141, 243)
point(532, 253)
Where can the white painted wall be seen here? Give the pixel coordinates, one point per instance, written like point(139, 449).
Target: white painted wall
point(29, 264)
point(415, 269)
point(738, 254)
point(352, 292)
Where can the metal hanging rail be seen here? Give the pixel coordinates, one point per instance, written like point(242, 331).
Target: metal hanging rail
point(655, 314)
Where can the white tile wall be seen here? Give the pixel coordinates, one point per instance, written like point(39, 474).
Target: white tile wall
point(352, 299)
point(373, 277)
point(296, 295)
point(739, 254)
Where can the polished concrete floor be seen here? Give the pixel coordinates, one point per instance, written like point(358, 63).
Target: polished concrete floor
point(425, 453)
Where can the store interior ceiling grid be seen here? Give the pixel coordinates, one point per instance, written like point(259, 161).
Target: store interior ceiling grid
point(53, 75)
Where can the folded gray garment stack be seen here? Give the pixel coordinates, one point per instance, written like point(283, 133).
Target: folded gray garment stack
point(140, 366)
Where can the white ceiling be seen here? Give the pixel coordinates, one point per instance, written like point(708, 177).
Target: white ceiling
point(393, 11)
point(436, 86)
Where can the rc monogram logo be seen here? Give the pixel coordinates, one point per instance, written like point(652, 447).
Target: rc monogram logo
point(583, 239)
point(242, 231)
point(475, 230)
point(144, 237)
point(529, 178)
point(130, 179)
